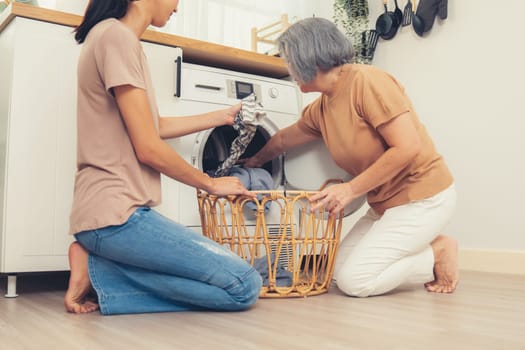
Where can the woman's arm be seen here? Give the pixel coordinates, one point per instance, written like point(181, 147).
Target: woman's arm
point(404, 144)
point(153, 151)
point(170, 127)
point(285, 139)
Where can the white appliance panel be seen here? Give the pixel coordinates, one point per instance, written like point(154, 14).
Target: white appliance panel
point(203, 89)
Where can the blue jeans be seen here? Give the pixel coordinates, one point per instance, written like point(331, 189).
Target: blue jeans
point(152, 264)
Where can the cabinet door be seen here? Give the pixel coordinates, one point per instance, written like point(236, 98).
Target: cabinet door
point(41, 147)
point(162, 62)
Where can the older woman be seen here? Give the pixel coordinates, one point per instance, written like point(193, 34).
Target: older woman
point(372, 131)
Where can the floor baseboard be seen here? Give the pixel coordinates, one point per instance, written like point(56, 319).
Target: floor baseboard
point(488, 260)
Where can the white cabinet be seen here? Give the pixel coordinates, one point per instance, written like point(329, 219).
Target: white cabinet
point(38, 97)
point(37, 144)
point(165, 67)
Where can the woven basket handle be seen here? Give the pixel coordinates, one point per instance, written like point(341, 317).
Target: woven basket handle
point(329, 181)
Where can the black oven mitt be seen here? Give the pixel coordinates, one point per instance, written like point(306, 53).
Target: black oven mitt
point(428, 9)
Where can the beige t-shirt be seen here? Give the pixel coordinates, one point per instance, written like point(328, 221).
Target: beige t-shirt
point(110, 182)
point(367, 97)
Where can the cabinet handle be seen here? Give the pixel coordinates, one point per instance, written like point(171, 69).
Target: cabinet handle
point(178, 78)
point(208, 87)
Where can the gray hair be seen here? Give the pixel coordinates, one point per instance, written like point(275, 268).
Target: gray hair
point(314, 44)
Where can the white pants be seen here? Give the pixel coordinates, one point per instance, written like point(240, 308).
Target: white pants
point(382, 252)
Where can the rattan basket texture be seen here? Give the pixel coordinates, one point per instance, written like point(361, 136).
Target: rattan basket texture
point(296, 251)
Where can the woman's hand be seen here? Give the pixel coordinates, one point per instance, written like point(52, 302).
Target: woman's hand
point(251, 162)
point(230, 113)
point(334, 198)
point(222, 186)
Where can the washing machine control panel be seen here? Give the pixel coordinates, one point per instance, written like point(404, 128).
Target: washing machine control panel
point(223, 87)
point(240, 89)
point(273, 92)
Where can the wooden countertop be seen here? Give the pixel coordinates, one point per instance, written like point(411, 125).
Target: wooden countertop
point(194, 51)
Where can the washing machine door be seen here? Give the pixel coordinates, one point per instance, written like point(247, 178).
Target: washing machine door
point(309, 166)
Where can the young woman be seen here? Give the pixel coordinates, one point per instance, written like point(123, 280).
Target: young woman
point(372, 131)
point(133, 258)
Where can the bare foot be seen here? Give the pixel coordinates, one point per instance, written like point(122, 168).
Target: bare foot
point(446, 272)
point(75, 299)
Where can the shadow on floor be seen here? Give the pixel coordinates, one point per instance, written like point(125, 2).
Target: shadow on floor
point(37, 282)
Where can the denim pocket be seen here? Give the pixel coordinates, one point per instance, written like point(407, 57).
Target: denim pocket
point(97, 236)
point(112, 230)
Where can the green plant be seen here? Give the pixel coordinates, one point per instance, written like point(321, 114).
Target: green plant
point(351, 16)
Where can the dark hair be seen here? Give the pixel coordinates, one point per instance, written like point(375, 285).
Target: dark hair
point(97, 11)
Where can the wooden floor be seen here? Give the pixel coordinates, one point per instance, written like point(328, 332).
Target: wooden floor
point(486, 312)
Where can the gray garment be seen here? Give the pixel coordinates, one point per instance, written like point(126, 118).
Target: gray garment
point(255, 179)
point(246, 122)
point(283, 277)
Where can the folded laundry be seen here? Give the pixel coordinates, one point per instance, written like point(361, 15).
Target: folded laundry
point(283, 277)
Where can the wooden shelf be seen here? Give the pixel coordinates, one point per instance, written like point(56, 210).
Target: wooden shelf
point(194, 51)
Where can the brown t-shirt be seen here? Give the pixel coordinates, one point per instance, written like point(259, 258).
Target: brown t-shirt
point(110, 182)
point(367, 97)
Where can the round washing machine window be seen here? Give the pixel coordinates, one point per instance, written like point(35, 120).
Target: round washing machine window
point(212, 147)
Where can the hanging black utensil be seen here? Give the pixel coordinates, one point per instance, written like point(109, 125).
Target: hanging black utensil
point(369, 41)
point(386, 24)
point(407, 14)
point(398, 14)
point(417, 22)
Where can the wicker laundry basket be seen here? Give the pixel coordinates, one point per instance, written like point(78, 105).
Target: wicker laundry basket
point(294, 251)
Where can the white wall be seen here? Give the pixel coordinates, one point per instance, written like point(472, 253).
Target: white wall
point(466, 79)
point(228, 22)
point(70, 6)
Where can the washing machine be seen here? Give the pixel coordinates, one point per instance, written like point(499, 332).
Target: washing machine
point(185, 89)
